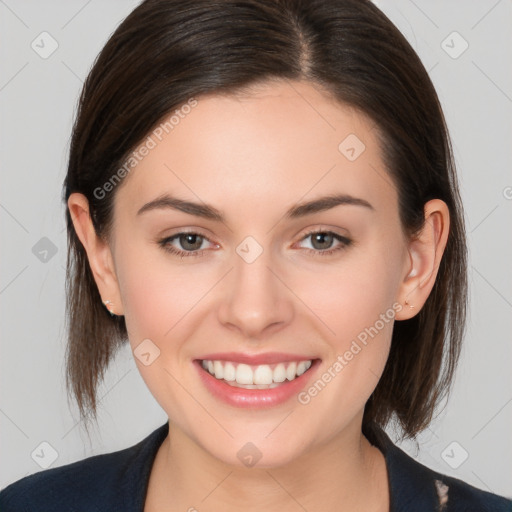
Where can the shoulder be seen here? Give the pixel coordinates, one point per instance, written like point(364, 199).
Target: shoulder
point(464, 497)
point(98, 483)
point(414, 486)
point(83, 483)
point(68, 485)
point(446, 493)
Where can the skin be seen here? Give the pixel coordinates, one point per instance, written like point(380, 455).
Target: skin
point(253, 156)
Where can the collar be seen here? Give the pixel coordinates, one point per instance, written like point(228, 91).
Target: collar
point(412, 486)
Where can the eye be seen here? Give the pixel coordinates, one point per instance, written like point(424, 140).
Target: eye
point(322, 242)
point(190, 241)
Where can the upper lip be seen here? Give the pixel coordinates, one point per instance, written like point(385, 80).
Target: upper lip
point(256, 359)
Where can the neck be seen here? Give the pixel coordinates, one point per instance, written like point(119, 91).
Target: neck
point(346, 473)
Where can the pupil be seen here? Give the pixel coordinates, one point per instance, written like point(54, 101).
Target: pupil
point(192, 237)
point(321, 236)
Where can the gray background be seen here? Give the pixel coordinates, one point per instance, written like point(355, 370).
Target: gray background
point(37, 100)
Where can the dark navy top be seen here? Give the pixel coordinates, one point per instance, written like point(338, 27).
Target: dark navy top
point(118, 481)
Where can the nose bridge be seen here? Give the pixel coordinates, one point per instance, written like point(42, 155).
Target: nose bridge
point(255, 298)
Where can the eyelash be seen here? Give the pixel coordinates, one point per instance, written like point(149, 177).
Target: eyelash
point(164, 243)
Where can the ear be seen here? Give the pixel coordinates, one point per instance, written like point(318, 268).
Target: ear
point(425, 253)
point(98, 253)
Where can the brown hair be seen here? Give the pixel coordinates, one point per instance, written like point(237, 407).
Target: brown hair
point(167, 51)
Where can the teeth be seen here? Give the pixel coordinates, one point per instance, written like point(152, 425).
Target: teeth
point(301, 368)
point(229, 372)
point(253, 386)
point(255, 377)
point(291, 371)
point(263, 375)
point(279, 373)
point(218, 369)
point(243, 374)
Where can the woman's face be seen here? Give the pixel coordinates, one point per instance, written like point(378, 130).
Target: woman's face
point(255, 290)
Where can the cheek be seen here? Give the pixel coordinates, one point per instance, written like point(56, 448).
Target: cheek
point(157, 293)
point(351, 293)
point(357, 307)
point(159, 299)
point(358, 353)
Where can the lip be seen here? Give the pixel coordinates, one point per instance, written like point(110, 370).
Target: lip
point(256, 359)
point(255, 398)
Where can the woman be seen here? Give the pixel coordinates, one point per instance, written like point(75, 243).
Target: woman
point(261, 199)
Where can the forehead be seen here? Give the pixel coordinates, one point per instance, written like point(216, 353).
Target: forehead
point(263, 149)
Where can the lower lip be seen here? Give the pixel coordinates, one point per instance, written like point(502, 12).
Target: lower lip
point(254, 398)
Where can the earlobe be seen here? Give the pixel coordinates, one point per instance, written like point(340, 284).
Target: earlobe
point(425, 253)
point(98, 252)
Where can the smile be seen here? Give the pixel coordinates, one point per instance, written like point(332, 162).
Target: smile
point(263, 376)
point(238, 380)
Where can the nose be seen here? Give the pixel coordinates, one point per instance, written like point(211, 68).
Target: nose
point(255, 301)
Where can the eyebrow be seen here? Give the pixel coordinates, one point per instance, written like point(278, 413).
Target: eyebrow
point(211, 213)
